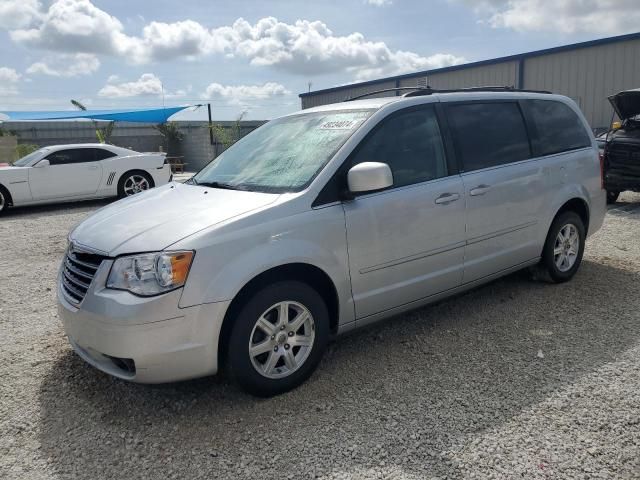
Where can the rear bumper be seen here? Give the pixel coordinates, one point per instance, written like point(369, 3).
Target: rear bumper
point(162, 176)
point(145, 340)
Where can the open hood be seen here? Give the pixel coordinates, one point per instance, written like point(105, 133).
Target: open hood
point(626, 104)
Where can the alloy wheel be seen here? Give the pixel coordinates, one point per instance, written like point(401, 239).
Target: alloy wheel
point(135, 184)
point(566, 247)
point(282, 339)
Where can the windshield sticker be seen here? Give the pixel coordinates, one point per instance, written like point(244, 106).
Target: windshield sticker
point(340, 125)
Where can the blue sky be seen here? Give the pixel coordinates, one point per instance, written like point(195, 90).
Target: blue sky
point(256, 56)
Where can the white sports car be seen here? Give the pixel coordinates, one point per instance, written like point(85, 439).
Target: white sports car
point(63, 173)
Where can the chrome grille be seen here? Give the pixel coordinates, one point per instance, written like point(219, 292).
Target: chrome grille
point(77, 274)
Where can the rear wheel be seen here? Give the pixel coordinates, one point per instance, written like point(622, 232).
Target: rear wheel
point(134, 182)
point(278, 338)
point(564, 247)
point(612, 197)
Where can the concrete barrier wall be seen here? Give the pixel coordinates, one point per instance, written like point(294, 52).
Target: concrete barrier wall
point(8, 148)
point(196, 147)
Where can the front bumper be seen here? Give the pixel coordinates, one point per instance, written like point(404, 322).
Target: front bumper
point(146, 340)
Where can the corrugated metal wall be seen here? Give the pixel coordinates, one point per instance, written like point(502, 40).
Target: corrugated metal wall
point(348, 92)
point(588, 75)
point(498, 74)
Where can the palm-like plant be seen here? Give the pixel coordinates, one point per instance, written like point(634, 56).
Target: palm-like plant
point(227, 136)
point(172, 136)
point(102, 134)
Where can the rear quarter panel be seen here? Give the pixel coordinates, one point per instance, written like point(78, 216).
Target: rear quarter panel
point(114, 168)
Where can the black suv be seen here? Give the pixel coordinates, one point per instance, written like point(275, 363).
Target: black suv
point(622, 148)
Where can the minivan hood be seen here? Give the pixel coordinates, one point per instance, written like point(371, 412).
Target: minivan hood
point(626, 104)
point(153, 220)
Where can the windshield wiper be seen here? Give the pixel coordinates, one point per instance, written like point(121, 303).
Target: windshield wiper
point(224, 186)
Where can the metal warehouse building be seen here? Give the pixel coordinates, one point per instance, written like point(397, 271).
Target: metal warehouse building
point(588, 72)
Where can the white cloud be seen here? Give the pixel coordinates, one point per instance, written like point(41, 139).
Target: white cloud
point(147, 85)
point(8, 81)
point(74, 26)
point(241, 94)
point(19, 13)
point(378, 3)
point(566, 16)
point(66, 65)
point(303, 47)
point(405, 62)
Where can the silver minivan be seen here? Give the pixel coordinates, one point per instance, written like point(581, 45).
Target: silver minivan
point(327, 220)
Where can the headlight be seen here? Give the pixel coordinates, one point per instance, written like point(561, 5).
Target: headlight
point(150, 274)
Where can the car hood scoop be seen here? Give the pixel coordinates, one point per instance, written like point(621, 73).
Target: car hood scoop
point(626, 104)
point(155, 219)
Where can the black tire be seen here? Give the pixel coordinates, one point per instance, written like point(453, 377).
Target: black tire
point(612, 197)
point(548, 265)
point(134, 173)
point(4, 200)
point(240, 364)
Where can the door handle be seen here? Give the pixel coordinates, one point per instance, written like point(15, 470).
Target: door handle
point(479, 190)
point(446, 198)
point(93, 167)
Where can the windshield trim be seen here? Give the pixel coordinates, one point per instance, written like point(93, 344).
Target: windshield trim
point(280, 190)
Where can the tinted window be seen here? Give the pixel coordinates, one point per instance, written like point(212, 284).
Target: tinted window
point(101, 154)
point(76, 155)
point(410, 143)
point(557, 126)
point(488, 134)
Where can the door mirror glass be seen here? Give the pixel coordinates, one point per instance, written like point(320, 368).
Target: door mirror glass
point(42, 163)
point(369, 176)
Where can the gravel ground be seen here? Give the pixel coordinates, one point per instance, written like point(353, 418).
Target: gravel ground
point(517, 379)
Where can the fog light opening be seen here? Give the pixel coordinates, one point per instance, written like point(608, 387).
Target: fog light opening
point(125, 364)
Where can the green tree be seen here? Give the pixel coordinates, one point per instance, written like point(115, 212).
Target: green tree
point(102, 134)
point(24, 149)
point(227, 136)
point(172, 135)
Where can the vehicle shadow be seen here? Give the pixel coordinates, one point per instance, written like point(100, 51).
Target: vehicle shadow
point(55, 208)
point(409, 387)
point(627, 204)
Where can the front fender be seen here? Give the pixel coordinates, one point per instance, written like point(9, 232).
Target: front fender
point(226, 261)
point(16, 181)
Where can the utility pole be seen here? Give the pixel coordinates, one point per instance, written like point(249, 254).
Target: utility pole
point(210, 124)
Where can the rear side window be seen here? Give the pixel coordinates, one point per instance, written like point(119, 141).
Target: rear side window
point(101, 154)
point(488, 134)
point(410, 143)
point(557, 127)
point(76, 155)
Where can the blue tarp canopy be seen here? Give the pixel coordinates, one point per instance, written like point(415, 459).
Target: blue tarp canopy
point(146, 115)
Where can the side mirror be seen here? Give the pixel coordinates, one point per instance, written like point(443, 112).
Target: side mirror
point(42, 163)
point(369, 176)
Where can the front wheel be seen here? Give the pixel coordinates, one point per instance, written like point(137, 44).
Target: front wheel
point(134, 182)
point(278, 338)
point(4, 201)
point(564, 247)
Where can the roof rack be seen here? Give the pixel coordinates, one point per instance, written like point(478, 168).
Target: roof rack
point(384, 90)
point(420, 91)
point(491, 88)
